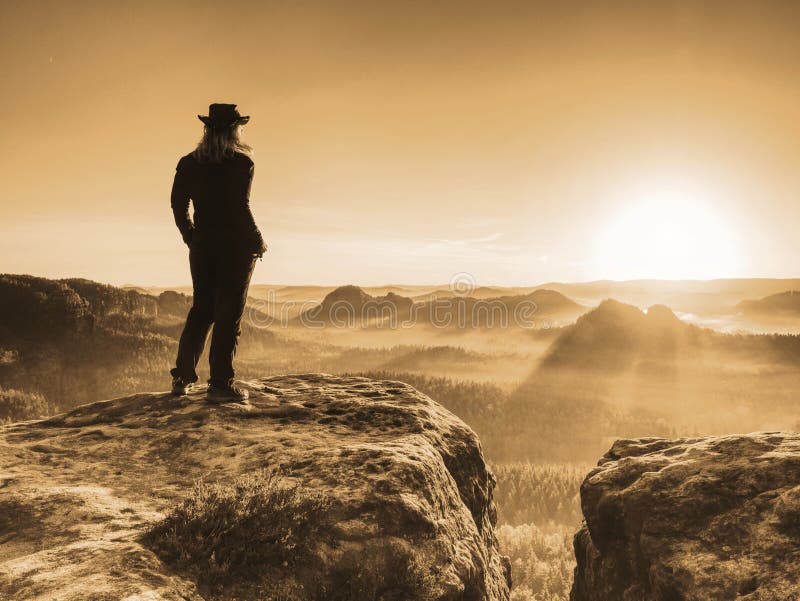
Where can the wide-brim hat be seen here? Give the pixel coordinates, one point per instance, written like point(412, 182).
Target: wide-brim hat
point(223, 115)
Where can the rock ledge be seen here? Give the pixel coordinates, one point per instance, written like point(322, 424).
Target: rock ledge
point(77, 490)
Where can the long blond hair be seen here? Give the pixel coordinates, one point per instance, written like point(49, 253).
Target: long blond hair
point(219, 143)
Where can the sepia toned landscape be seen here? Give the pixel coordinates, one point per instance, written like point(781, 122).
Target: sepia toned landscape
point(360, 300)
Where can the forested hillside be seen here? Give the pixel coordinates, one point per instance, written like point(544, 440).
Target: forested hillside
point(65, 342)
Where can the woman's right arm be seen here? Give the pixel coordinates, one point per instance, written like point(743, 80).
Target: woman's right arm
point(179, 199)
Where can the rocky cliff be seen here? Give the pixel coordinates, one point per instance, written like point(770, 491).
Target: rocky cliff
point(692, 519)
point(337, 487)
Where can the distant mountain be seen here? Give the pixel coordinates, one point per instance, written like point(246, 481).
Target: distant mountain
point(783, 304)
point(686, 296)
point(438, 293)
point(615, 335)
point(522, 310)
point(349, 306)
point(408, 291)
point(553, 303)
point(281, 294)
point(702, 297)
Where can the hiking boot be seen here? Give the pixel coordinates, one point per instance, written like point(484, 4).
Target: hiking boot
point(230, 393)
point(179, 386)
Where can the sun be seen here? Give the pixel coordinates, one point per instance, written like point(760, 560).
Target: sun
point(667, 232)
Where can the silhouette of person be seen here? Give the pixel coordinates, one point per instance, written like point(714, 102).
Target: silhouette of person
point(224, 243)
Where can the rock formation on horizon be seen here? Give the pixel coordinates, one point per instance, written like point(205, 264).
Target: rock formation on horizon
point(615, 336)
point(349, 306)
point(709, 519)
point(336, 487)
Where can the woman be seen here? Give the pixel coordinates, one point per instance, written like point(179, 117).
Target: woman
point(224, 243)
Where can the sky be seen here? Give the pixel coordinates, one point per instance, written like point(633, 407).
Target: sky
point(407, 141)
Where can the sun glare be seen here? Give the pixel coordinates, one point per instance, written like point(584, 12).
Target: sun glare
point(667, 233)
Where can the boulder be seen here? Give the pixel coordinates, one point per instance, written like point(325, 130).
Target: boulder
point(714, 518)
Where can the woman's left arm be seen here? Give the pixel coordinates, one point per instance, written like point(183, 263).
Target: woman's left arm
point(253, 234)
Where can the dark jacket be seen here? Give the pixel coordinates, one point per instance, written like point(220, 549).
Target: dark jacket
point(221, 196)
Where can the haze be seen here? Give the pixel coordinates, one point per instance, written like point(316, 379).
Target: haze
point(520, 142)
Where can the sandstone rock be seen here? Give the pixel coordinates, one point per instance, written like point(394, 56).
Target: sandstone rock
point(692, 519)
point(405, 480)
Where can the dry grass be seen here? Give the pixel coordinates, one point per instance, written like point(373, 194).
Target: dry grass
point(240, 541)
point(225, 536)
point(387, 570)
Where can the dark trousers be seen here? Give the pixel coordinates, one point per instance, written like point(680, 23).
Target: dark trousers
point(220, 278)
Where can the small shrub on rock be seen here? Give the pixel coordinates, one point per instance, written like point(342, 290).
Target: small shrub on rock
point(235, 534)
